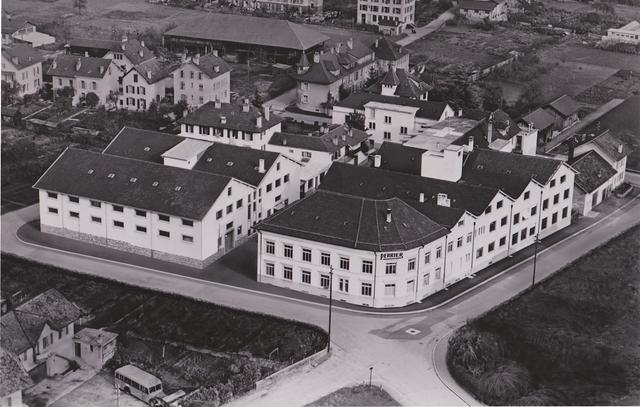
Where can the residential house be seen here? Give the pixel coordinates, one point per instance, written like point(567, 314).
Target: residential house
point(398, 82)
point(202, 79)
point(391, 18)
point(389, 54)
point(85, 75)
point(565, 111)
point(484, 10)
point(343, 68)
point(594, 181)
point(145, 83)
point(608, 147)
point(23, 31)
point(125, 53)
point(38, 327)
point(13, 380)
point(542, 121)
point(242, 125)
point(629, 33)
point(22, 68)
point(95, 346)
point(316, 151)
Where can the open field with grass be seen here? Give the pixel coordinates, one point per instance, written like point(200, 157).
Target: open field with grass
point(573, 340)
point(361, 395)
point(187, 343)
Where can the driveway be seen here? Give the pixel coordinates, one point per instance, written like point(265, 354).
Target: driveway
point(98, 392)
point(427, 29)
point(403, 363)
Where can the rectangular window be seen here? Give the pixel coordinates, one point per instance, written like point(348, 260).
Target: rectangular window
point(288, 251)
point(286, 178)
point(288, 273)
point(96, 204)
point(491, 246)
point(563, 179)
point(527, 194)
point(269, 187)
point(229, 209)
point(390, 268)
point(459, 242)
point(164, 233)
point(438, 272)
point(499, 204)
point(479, 252)
point(367, 266)
point(269, 269)
point(425, 279)
point(449, 246)
point(386, 135)
point(325, 259)
point(387, 119)
point(278, 182)
point(239, 203)
point(523, 234)
point(556, 198)
point(270, 247)
point(117, 208)
point(390, 290)
point(488, 210)
point(141, 213)
point(142, 229)
point(427, 258)
point(566, 193)
point(514, 238)
point(187, 238)
point(344, 263)
point(545, 204)
point(306, 255)
point(411, 265)
point(534, 210)
point(53, 210)
point(343, 285)
point(366, 289)
point(74, 214)
point(306, 277)
point(74, 199)
point(219, 214)
point(516, 218)
point(438, 252)
point(118, 224)
point(532, 231)
point(554, 218)
point(543, 225)
point(52, 195)
point(492, 226)
point(324, 281)
point(96, 219)
point(187, 222)
point(469, 237)
point(503, 221)
point(553, 183)
point(565, 212)
point(503, 241)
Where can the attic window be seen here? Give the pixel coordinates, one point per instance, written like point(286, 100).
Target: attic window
point(508, 172)
point(147, 148)
point(317, 217)
point(229, 163)
point(209, 159)
point(480, 166)
point(178, 188)
point(111, 175)
point(133, 179)
point(155, 183)
point(90, 171)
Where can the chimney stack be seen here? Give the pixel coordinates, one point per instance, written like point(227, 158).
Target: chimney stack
point(266, 112)
point(149, 74)
point(141, 53)
point(620, 148)
point(377, 159)
point(86, 53)
point(245, 105)
point(350, 43)
point(142, 44)
point(259, 121)
point(78, 64)
point(421, 199)
point(490, 129)
point(216, 68)
point(54, 65)
point(335, 139)
point(443, 200)
point(196, 59)
point(344, 136)
point(214, 52)
point(388, 215)
point(223, 119)
point(101, 69)
point(316, 58)
point(125, 38)
point(261, 169)
point(217, 104)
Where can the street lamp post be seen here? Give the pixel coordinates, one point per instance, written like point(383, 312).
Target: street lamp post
point(330, 305)
point(535, 261)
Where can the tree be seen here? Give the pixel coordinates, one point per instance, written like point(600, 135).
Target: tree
point(492, 97)
point(9, 91)
point(92, 99)
point(257, 99)
point(343, 92)
point(355, 120)
point(373, 77)
point(67, 91)
point(80, 5)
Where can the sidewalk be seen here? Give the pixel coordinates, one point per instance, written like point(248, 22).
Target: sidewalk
point(238, 268)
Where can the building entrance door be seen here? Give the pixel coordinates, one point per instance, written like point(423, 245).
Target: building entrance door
point(411, 286)
point(228, 241)
point(78, 350)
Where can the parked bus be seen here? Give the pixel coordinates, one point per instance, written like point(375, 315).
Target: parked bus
point(138, 383)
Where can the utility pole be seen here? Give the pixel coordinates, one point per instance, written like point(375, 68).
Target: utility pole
point(370, 374)
point(330, 305)
point(535, 261)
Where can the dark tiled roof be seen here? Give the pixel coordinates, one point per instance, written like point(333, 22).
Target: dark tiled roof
point(335, 65)
point(484, 5)
point(609, 144)
point(12, 336)
point(11, 25)
point(504, 127)
point(208, 64)
point(398, 157)
point(509, 172)
point(355, 222)
point(154, 70)
point(427, 109)
point(13, 378)
point(540, 119)
point(86, 174)
point(139, 144)
point(242, 29)
point(593, 171)
point(65, 65)
point(407, 85)
point(388, 50)
point(236, 119)
point(133, 49)
point(375, 183)
point(564, 105)
point(53, 307)
point(328, 142)
point(237, 162)
point(22, 55)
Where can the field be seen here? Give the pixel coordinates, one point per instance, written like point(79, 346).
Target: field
point(361, 395)
point(573, 340)
point(188, 344)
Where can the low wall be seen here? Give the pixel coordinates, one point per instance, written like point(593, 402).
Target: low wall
point(313, 360)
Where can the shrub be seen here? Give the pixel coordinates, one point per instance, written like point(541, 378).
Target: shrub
point(475, 352)
point(92, 99)
point(507, 383)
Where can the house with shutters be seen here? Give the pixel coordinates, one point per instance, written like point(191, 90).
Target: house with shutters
point(484, 10)
point(85, 75)
point(22, 68)
point(125, 53)
point(149, 81)
point(202, 79)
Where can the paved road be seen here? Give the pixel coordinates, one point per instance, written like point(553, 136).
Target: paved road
point(410, 367)
point(427, 29)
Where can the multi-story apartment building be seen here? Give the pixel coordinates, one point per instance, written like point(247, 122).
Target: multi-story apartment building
point(125, 53)
point(22, 68)
point(281, 6)
point(145, 83)
point(147, 208)
point(202, 79)
point(483, 10)
point(85, 75)
point(241, 125)
point(629, 33)
point(316, 151)
point(391, 16)
point(343, 67)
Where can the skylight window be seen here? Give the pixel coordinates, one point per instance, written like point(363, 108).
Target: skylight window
point(133, 179)
point(90, 171)
point(155, 183)
point(111, 175)
point(147, 148)
point(209, 159)
point(178, 188)
point(229, 163)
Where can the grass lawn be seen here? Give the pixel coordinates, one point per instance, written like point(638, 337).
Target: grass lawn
point(361, 395)
point(574, 339)
point(222, 350)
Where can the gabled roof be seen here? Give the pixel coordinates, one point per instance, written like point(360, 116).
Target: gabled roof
point(11, 25)
point(139, 144)
point(426, 109)
point(483, 5)
point(236, 119)
point(135, 50)
point(154, 70)
point(13, 377)
point(355, 222)
point(376, 183)
point(504, 127)
point(243, 29)
point(139, 184)
point(509, 172)
point(388, 50)
point(540, 119)
point(336, 138)
point(340, 62)
point(95, 337)
point(615, 149)
point(22, 55)
point(398, 157)
point(564, 105)
point(67, 66)
point(593, 171)
point(12, 336)
point(212, 65)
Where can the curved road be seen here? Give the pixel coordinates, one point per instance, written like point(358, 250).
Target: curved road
point(410, 367)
